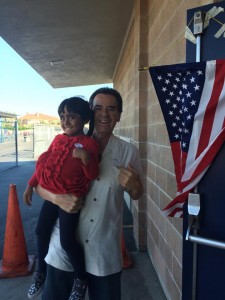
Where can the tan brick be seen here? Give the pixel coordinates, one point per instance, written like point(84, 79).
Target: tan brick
point(156, 36)
point(174, 240)
point(177, 272)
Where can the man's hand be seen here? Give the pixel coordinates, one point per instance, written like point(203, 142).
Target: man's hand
point(67, 202)
point(130, 180)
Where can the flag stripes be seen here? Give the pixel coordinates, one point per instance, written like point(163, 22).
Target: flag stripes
point(192, 99)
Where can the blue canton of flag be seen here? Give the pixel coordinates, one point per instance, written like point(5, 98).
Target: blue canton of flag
point(180, 91)
point(192, 99)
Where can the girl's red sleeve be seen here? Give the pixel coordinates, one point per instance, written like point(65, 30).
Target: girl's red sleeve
point(91, 170)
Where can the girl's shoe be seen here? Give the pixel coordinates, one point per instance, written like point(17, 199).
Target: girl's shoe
point(37, 285)
point(78, 290)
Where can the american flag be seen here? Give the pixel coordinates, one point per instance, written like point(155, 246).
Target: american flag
point(192, 99)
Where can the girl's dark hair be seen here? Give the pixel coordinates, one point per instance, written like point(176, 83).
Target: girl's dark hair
point(108, 91)
point(81, 107)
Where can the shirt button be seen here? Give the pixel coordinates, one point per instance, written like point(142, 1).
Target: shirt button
point(92, 220)
point(98, 178)
point(87, 241)
point(94, 199)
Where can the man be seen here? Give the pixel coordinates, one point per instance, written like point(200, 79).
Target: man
point(100, 222)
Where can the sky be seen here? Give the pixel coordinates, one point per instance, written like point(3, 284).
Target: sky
point(23, 90)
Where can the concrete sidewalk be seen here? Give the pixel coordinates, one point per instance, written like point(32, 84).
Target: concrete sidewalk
point(138, 283)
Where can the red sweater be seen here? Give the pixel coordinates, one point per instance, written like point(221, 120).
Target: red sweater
point(60, 173)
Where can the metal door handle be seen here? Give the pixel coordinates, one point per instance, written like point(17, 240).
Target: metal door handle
point(205, 241)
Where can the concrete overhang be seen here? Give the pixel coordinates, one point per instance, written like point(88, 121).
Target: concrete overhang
point(69, 43)
point(7, 115)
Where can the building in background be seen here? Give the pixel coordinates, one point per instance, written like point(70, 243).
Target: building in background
point(38, 118)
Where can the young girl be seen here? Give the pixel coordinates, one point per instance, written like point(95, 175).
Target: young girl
point(68, 166)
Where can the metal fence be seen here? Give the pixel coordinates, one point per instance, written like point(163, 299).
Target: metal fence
point(7, 131)
point(43, 136)
point(25, 145)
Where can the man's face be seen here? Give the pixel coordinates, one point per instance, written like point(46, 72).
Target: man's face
point(106, 113)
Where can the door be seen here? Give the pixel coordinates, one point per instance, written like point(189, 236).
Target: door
point(210, 275)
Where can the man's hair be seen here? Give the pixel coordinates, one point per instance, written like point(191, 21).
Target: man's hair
point(108, 91)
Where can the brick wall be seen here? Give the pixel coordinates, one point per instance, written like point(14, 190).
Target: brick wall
point(155, 37)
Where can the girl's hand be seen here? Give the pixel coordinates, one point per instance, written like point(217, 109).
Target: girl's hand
point(27, 195)
point(82, 154)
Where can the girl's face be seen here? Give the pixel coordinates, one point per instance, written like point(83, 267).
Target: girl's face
point(71, 123)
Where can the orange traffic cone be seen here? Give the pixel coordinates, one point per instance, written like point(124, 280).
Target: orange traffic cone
point(15, 261)
point(127, 259)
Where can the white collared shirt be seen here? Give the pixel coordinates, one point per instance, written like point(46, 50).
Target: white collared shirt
point(100, 221)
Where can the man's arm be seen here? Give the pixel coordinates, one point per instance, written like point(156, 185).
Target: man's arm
point(130, 180)
point(67, 202)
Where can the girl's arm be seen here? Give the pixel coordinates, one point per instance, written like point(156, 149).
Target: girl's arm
point(27, 195)
point(89, 158)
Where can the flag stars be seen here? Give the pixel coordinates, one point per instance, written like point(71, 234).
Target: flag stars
point(180, 92)
point(167, 81)
point(188, 95)
point(197, 87)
